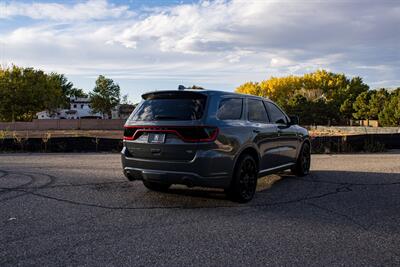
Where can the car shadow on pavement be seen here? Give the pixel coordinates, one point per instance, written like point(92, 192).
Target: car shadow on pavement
point(263, 184)
point(365, 200)
point(285, 188)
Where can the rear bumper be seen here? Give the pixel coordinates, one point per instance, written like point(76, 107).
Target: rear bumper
point(203, 170)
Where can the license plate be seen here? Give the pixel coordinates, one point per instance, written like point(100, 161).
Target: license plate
point(156, 138)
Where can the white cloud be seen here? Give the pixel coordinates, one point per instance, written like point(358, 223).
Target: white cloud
point(281, 62)
point(90, 10)
point(196, 28)
point(221, 25)
point(215, 43)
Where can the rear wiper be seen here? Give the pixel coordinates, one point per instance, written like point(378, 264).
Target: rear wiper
point(165, 117)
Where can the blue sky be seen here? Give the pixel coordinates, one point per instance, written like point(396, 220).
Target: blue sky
point(159, 44)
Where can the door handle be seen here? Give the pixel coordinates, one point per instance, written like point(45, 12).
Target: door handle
point(256, 131)
point(155, 151)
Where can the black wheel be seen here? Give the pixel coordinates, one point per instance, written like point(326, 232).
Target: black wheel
point(129, 176)
point(244, 180)
point(156, 186)
point(303, 162)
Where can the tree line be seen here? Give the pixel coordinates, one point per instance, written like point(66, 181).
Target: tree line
point(320, 97)
point(327, 98)
point(26, 91)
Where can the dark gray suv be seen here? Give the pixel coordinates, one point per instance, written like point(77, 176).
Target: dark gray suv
point(212, 139)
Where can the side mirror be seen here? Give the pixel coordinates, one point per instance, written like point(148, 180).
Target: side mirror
point(294, 120)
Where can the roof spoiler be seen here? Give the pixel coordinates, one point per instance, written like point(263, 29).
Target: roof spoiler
point(173, 94)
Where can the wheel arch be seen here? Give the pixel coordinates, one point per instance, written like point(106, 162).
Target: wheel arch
point(305, 141)
point(248, 150)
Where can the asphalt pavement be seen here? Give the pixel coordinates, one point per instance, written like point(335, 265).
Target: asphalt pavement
point(78, 209)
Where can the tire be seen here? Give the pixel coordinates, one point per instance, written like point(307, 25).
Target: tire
point(244, 180)
point(303, 162)
point(129, 177)
point(154, 186)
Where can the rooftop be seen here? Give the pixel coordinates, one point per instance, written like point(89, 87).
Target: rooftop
point(201, 91)
point(80, 100)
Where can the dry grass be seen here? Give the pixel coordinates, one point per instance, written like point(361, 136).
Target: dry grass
point(331, 132)
point(114, 134)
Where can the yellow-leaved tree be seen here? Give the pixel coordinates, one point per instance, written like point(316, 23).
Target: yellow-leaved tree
point(329, 96)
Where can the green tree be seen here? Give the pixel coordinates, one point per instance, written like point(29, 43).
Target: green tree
point(361, 106)
point(349, 93)
point(370, 104)
point(390, 115)
point(182, 87)
point(105, 95)
point(125, 100)
point(195, 87)
point(77, 92)
point(299, 105)
point(66, 87)
point(377, 103)
point(26, 91)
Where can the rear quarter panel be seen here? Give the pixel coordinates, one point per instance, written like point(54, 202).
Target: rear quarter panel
point(233, 135)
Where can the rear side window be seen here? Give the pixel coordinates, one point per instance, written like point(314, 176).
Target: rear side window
point(256, 111)
point(276, 114)
point(230, 109)
point(182, 109)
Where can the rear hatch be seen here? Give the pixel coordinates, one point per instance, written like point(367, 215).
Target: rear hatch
point(168, 126)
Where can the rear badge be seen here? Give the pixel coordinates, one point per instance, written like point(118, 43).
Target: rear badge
point(156, 138)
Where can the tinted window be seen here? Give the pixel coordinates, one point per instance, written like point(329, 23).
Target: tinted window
point(230, 109)
point(257, 111)
point(276, 114)
point(170, 109)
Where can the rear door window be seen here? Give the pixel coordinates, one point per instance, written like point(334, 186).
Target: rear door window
point(180, 109)
point(276, 115)
point(230, 109)
point(256, 111)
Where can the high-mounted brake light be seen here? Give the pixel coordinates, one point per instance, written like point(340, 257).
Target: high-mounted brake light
point(186, 133)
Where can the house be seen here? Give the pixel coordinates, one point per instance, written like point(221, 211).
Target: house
point(44, 115)
point(79, 109)
point(122, 111)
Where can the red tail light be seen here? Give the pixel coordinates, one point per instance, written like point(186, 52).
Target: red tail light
point(187, 134)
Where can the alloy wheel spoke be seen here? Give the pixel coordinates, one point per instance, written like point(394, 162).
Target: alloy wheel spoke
point(247, 179)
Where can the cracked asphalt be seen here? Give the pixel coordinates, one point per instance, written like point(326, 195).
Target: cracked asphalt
point(78, 209)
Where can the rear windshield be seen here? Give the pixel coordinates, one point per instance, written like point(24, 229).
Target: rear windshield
point(182, 109)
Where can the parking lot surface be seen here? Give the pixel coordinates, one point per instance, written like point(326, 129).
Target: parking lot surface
point(78, 209)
